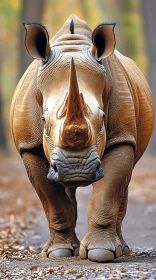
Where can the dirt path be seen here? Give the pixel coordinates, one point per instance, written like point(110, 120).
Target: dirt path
point(23, 229)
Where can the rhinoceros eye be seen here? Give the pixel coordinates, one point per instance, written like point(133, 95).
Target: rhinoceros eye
point(50, 58)
point(101, 119)
point(99, 61)
point(44, 116)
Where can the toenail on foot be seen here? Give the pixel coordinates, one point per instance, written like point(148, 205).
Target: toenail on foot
point(76, 252)
point(82, 252)
point(118, 251)
point(126, 251)
point(43, 254)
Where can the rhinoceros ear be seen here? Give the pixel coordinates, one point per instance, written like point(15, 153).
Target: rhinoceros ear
point(103, 39)
point(37, 40)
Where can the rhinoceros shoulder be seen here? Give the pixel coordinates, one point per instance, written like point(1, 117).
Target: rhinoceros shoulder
point(131, 113)
point(25, 114)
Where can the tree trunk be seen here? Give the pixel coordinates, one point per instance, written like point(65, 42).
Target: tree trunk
point(3, 141)
point(31, 12)
point(149, 8)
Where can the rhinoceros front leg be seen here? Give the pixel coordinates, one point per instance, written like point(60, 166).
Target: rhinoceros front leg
point(57, 205)
point(102, 242)
point(121, 215)
point(71, 192)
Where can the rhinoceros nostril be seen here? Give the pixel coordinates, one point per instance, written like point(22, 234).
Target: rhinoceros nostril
point(53, 172)
point(98, 165)
point(55, 168)
point(99, 172)
point(53, 165)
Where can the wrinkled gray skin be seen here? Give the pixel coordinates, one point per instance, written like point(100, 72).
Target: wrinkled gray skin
point(77, 113)
point(78, 168)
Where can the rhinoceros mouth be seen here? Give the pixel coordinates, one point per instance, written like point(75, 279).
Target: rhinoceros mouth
point(74, 167)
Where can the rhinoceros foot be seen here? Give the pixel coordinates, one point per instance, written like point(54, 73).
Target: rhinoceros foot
point(51, 249)
point(103, 247)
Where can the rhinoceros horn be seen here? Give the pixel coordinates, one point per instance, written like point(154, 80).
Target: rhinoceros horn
point(75, 129)
point(74, 108)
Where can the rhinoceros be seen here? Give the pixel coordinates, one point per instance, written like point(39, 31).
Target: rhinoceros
point(81, 114)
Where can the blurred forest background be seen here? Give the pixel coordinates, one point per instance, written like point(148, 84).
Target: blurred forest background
point(135, 37)
point(22, 220)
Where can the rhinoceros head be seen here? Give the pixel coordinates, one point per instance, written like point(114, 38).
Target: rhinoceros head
point(72, 80)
